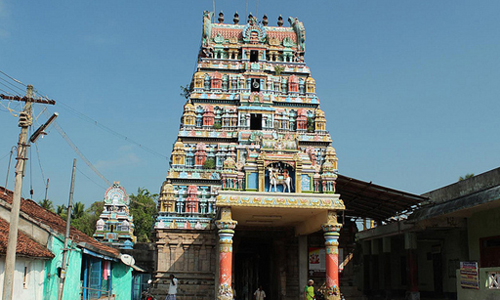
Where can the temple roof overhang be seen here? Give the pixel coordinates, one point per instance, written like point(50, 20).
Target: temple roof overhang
point(305, 212)
point(367, 200)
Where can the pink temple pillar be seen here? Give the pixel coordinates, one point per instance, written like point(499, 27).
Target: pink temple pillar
point(226, 227)
point(331, 233)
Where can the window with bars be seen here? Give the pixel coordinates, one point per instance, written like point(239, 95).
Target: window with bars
point(494, 280)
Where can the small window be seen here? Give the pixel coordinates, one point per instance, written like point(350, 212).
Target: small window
point(489, 249)
point(255, 122)
point(255, 85)
point(494, 280)
point(26, 276)
point(254, 56)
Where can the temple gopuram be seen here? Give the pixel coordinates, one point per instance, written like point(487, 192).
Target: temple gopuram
point(115, 226)
point(251, 186)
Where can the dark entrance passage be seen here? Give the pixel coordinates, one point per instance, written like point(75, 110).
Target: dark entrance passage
point(251, 269)
point(261, 258)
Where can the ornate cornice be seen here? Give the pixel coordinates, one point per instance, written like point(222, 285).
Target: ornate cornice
point(285, 200)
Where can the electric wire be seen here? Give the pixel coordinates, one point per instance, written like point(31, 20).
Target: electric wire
point(59, 129)
point(38, 116)
point(82, 116)
point(8, 107)
point(85, 175)
point(13, 78)
point(12, 111)
point(8, 87)
point(6, 92)
point(39, 161)
point(1, 158)
point(15, 86)
point(77, 151)
point(105, 128)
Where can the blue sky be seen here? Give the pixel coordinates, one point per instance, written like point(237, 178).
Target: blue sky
point(410, 88)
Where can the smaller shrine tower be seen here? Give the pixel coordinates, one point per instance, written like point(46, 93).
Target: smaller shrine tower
point(115, 226)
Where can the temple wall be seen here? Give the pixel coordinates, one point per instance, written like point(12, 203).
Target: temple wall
point(189, 255)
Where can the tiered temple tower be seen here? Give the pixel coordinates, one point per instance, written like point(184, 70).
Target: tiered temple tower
point(253, 154)
point(115, 226)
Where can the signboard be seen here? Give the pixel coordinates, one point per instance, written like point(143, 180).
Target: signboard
point(317, 264)
point(469, 275)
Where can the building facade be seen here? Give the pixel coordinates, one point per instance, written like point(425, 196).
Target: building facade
point(449, 247)
point(253, 172)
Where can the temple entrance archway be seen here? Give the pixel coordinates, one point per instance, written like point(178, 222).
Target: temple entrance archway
point(258, 261)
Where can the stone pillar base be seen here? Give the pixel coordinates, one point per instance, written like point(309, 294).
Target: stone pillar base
point(333, 297)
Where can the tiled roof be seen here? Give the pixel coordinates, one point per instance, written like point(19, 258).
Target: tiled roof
point(56, 223)
point(25, 245)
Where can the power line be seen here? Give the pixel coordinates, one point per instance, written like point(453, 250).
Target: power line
point(75, 148)
point(39, 161)
point(8, 87)
point(104, 188)
point(13, 112)
point(15, 86)
point(79, 114)
point(5, 92)
point(106, 128)
point(1, 158)
point(13, 78)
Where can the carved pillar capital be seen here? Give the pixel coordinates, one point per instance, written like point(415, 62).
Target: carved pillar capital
point(226, 223)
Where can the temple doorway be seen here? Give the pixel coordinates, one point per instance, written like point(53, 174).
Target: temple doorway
point(256, 262)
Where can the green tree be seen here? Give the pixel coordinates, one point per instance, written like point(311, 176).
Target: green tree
point(143, 209)
point(62, 211)
point(78, 210)
point(310, 124)
point(209, 164)
point(467, 176)
point(47, 204)
point(85, 220)
point(278, 70)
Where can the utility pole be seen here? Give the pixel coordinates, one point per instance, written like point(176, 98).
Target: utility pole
point(25, 121)
point(66, 239)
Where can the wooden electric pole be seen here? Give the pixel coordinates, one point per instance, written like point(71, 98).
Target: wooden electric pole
point(25, 121)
